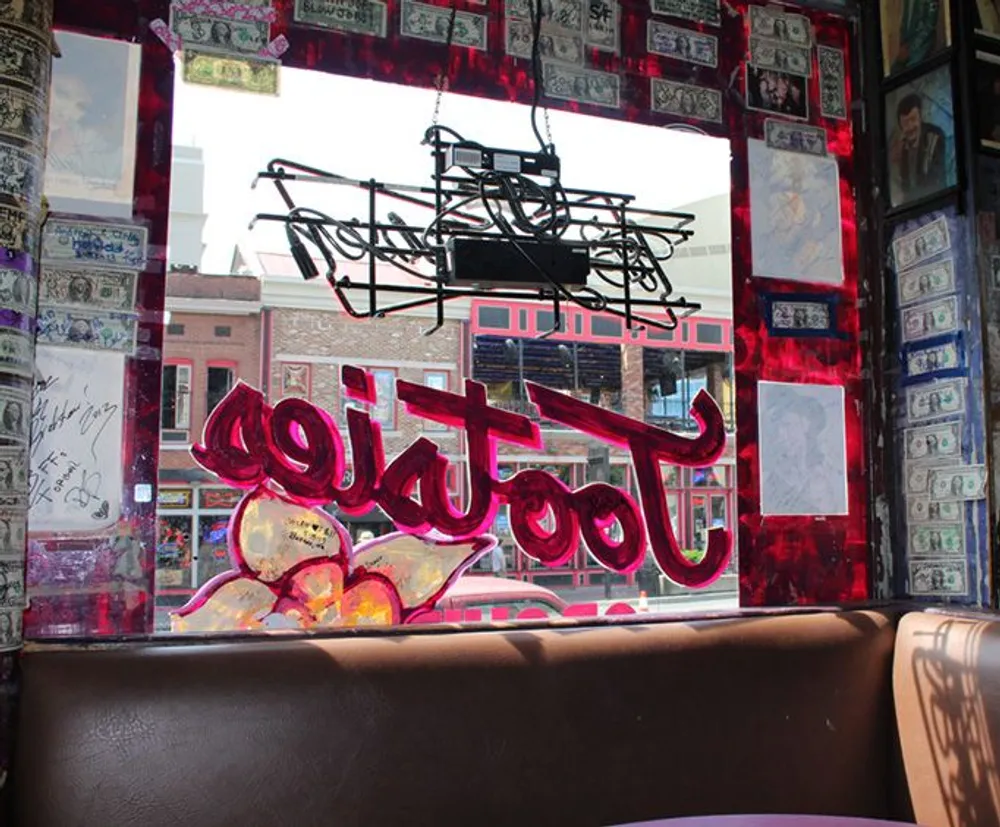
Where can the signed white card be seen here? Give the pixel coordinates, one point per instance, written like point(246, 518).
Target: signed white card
point(795, 216)
point(75, 477)
point(803, 449)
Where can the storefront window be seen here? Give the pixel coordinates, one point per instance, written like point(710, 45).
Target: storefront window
point(174, 554)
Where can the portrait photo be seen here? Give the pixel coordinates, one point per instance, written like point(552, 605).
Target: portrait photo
point(777, 92)
point(987, 76)
point(920, 129)
point(988, 17)
point(913, 31)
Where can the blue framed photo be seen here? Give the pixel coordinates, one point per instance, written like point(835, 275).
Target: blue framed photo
point(938, 358)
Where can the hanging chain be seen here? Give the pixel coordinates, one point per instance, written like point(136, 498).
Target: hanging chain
point(441, 81)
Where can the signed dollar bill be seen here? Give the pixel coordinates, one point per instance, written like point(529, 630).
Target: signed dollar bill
point(582, 85)
point(350, 16)
point(930, 319)
point(922, 244)
point(14, 410)
point(935, 400)
point(964, 482)
point(934, 443)
point(16, 352)
point(13, 532)
point(93, 289)
point(553, 45)
point(223, 34)
point(781, 56)
point(938, 578)
point(918, 479)
point(17, 291)
point(17, 229)
point(93, 242)
point(601, 26)
point(936, 539)
point(244, 74)
point(697, 103)
point(13, 473)
point(700, 11)
point(926, 510)
point(832, 86)
point(563, 14)
point(773, 24)
point(800, 315)
point(427, 22)
point(926, 282)
point(28, 13)
point(100, 330)
point(21, 176)
point(11, 636)
point(795, 137)
point(930, 360)
point(22, 115)
point(24, 59)
point(682, 44)
point(11, 577)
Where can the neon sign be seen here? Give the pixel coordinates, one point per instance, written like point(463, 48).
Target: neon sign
point(294, 564)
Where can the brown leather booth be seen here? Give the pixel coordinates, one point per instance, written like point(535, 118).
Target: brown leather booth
point(551, 726)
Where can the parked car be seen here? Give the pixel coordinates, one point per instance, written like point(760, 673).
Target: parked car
point(500, 598)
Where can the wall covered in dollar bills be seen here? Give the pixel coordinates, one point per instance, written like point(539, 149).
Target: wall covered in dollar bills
point(771, 82)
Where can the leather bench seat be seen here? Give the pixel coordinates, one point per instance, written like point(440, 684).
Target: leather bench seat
point(574, 726)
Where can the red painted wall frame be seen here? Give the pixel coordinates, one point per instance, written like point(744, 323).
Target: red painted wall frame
point(782, 560)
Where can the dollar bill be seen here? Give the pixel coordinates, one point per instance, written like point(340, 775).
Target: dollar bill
point(936, 539)
point(17, 291)
point(930, 319)
point(22, 116)
point(24, 59)
point(13, 473)
point(935, 443)
point(682, 44)
point(16, 352)
point(964, 482)
point(93, 289)
point(935, 400)
point(602, 22)
point(96, 330)
point(17, 229)
point(563, 14)
point(350, 16)
point(832, 83)
point(552, 45)
point(11, 579)
point(582, 85)
point(781, 56)
point(776, 25)
point(13, 532)
point(686, 100)
point(427, 22)
point(223, 34)
point(21, 175)
point(93, 242)
point(938, 578)
point(800, 315)
point(926, 510)
point(794, 137)
point(14, 410)
point(700, 11)
point(922, 244)
point(30, 14)
point(926, 282)
point(10, 627)
point(244, 74)
point(918, 479)
point(930, 360)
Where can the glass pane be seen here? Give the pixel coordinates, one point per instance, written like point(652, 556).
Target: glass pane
point(213, 548)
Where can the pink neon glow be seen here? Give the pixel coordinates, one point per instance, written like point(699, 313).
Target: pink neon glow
point(297, 446)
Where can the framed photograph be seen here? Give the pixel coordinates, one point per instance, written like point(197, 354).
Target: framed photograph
point(913, 31)
point(988, 99)
point(779, 93)
point(801, 315)
point(920, 125)
point(988, 18)
point(93, 121)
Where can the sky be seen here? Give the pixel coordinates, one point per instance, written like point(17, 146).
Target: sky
point(367, 129)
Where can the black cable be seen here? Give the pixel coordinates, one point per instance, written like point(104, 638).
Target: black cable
point(537, 73)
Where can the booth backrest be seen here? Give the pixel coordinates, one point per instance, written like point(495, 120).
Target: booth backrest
point(588, 726)
point(946, 688)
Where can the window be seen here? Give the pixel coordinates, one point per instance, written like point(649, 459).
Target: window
point(673, 379)
point(605, 326)
point(708, 334)
point(439, 381)
point(175, 407)
point(223, 331)
point(384, 410)
point(220, 382)
point(175, 329)
point(496, 317)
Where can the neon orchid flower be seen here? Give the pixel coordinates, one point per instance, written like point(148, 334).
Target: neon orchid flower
point(295, 568)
